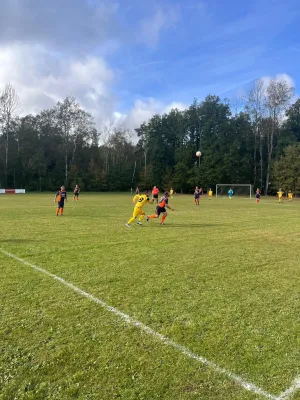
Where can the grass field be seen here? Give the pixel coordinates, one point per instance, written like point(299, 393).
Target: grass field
point(221, 279)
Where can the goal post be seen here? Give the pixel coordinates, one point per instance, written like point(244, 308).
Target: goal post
point(238, 189)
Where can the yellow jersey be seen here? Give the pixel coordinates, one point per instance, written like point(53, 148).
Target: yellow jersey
point(135, 199)
point(290, 195)
point(280, 194)
point(143, 199)
point(210, 193)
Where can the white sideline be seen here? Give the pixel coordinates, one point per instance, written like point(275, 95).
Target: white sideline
point(184, 350)
point(290, 391)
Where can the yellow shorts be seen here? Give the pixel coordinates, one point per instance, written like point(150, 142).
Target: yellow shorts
point(138, 211)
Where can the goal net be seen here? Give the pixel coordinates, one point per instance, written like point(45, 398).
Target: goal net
point(238, 190)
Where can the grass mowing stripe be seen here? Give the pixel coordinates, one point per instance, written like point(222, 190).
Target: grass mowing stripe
point(184, 350)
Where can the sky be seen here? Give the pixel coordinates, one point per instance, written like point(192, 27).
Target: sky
point(125, 60)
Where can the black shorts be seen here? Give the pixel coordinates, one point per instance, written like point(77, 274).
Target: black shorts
point(197, 196)
point(155, 196)
point(160, 210)
point(76, 194)
point(60, 204)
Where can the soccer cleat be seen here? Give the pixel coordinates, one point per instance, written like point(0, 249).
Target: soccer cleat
point(128, 226)
point(161, 223)
point(139, 223)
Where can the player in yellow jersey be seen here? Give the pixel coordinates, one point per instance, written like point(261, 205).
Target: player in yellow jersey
point(280, 194)
point(290, 195)
point(138, 211)
point(210, 194)
point(171, 192)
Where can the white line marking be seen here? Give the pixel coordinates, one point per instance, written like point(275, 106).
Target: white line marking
point(290, 391)
point(182, 349)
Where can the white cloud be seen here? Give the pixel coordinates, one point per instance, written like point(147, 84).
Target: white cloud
point(279, 77)
point(152, 27)
point(41, 79)
point(143, 110)
point(173, 105)
point(59, 25)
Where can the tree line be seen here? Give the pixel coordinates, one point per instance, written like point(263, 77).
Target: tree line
point(256, 141)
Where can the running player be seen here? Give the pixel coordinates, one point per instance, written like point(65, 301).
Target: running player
point(290, 196)
point(60, 197)
point(280, 194)
point(138, 209)
point(230, 193)
point(210, 194)
point(76, 192)
point(161, 208)
point(155, 192)
point(196, 196)
point(257, 196)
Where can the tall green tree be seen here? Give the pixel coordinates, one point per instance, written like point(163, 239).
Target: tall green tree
point(286, 170)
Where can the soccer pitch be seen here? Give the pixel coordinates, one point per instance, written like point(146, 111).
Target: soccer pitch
point(205, 307)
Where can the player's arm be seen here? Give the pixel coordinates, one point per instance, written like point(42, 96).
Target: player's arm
point(55, 197)
point(150, 201)
point(170, 208)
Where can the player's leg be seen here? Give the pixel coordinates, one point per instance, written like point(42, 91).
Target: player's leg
point(131, 220)
point(62, 209)
point(57, 209)
point(136, 213)
point(141, 218)
point(163, 217)
point(156, 215)
point(152, 216)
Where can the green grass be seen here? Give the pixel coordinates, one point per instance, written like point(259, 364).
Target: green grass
point(221, 279)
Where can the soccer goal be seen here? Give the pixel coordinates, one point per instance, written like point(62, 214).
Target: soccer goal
point(239, 190)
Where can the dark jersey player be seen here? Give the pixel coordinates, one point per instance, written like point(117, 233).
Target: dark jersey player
point(161, 208)
point(76, 192)
point(60, 197)
point(257, 196)
point(196, 196)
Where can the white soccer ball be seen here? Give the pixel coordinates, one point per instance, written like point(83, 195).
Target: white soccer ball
point(198, 153)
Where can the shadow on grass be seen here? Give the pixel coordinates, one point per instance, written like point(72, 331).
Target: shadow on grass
point(195, 225)
point(21, 240)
